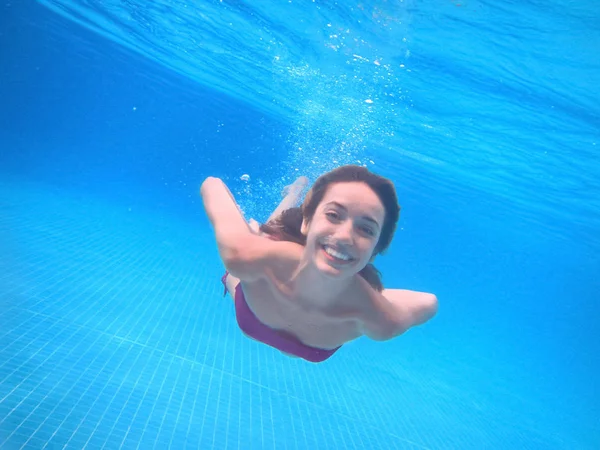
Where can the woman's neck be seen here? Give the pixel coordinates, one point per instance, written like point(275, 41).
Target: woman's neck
point(314, 287)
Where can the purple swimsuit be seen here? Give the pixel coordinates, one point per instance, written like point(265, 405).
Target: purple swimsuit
point(279, 339)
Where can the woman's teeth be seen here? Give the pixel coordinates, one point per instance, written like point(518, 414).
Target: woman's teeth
point(336, 254)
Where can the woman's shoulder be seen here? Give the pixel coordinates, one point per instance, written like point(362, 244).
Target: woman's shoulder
point(373, 316)
point(392, 312)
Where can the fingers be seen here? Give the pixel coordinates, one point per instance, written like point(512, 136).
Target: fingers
point(302, 180)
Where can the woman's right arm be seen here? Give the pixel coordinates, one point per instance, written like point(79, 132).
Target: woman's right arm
point(244, 253)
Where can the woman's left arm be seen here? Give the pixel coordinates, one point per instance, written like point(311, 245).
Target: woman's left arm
point(397, 310)
point(410, 308)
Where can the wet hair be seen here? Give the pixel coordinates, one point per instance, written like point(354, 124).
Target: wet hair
point(287, 226)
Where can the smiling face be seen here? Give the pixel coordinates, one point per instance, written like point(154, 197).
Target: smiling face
point(343, 233)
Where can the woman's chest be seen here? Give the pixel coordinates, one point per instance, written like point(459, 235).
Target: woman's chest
point(310, 324)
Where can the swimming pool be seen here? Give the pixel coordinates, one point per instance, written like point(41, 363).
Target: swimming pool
point(114, 332)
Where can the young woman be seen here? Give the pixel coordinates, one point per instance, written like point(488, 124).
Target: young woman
point(304, 282)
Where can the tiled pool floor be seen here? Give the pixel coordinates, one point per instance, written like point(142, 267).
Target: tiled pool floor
point(114, 334)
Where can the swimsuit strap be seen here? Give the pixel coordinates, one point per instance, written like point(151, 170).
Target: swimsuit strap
point(224, 281)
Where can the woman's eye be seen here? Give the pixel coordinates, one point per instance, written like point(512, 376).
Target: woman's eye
point(368, 231)
point(332, 215)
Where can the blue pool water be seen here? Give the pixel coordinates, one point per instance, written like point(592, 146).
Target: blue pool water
point(113, 329)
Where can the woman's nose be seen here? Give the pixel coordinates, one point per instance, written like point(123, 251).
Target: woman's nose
point(344, 233)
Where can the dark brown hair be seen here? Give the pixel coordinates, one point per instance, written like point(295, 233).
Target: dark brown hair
point(287, 227)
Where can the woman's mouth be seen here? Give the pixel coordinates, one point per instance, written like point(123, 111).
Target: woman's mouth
point(336, 255)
